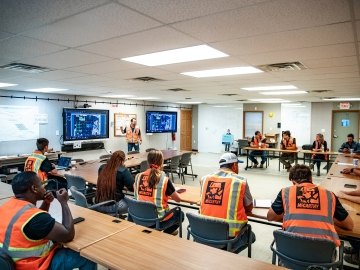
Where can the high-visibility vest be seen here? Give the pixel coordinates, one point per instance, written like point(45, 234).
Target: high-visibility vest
point(222, 197)
point(132, 136)
point(155, 195)
point(33, 164)
point(287, 143)
point(26, 253)
point(309, 211)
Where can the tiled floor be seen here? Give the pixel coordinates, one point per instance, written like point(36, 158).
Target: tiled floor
point(264, 184)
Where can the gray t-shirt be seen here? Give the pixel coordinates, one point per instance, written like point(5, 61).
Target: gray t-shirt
point(248, 199)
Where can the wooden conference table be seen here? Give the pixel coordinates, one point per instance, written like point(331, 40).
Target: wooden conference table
point(89, 170)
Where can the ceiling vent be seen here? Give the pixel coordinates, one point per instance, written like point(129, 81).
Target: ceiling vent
point(319, 91)
point(176, 90)
point(25, 68)
point(228, 95)
point(241, 100)
point(147, 79)
point(289, 66)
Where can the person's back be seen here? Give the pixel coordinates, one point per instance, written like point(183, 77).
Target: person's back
point(35, 162)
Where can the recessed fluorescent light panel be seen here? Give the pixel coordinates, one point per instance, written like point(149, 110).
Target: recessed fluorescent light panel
point(46, 90)
point(269, 100)
point(189, 102)
point(295, 92)
point(7, 84)
point(144, 98)
point(119, 96)
point(222, 106)
point(269, 88)
point(222, 72)
point(195, 53)
point(341, 99)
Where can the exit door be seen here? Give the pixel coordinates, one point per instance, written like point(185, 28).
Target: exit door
point(344, 123)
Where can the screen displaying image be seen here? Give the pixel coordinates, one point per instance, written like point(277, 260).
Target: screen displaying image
point(161, 122)
point(84, 124)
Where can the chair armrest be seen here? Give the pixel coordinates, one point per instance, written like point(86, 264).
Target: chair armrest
point(106, 203)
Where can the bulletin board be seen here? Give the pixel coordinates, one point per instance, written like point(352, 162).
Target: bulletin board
point(121, 120)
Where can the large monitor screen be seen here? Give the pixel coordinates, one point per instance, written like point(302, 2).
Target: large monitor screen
point(85, 124)
point(161, 122)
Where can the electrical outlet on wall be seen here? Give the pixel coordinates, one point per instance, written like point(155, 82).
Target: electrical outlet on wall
point(77, 145)
point(57, 132)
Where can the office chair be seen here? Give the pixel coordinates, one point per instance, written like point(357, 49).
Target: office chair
point(144, 165)
point(185, 161)
point(107, 207)
point(305, 251)
point(145, 214)
point(215, 233)
point(173, 167)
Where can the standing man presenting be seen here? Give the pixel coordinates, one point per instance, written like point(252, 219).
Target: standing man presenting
point(133, 135)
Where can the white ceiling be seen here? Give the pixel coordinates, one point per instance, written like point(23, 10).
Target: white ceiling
point(82, 42)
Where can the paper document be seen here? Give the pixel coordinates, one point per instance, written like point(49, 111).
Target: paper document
point(345, 164)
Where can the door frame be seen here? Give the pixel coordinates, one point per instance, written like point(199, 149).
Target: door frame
point(332, 124)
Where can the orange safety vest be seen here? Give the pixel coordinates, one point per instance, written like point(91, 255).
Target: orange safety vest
point(132, 137)
point(33, 164)
point(27, 254)
point(155, 195)
point(309, 211)
point(222, 197)
point(287, 143)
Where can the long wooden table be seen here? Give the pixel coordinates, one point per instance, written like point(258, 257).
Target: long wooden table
point(5, 191)
point(141, 248)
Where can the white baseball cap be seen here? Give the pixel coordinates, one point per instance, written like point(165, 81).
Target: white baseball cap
point(228, 158)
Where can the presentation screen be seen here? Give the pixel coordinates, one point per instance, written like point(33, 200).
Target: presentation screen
point(85, 124)
point(161, 122)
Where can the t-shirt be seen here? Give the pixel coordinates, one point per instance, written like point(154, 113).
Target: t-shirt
point(355, 146)
point(340, 213)
point(324, 147)
point(170, 189)
point(123, 179)
point(39, 226)
point(46, 166)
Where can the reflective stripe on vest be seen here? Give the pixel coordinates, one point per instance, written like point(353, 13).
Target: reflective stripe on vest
point(33, 164)
point(20, 253)
point(227, 202)
point(312, 222)
point(157, 196)
point(132, 137)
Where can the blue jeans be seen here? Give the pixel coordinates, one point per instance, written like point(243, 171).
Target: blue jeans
point(258, 153)
point(227, 147)
point(65, 259)
point(133, 145)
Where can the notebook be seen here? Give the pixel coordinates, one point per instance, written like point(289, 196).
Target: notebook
point(63, 163)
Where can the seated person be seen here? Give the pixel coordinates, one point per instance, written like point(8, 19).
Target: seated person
point(349, 145)
point(319, 145)
point(34, 234)
point(303, 208)
point(154, 186)
point(257, 141)
point(287, 143)
point(225, 192)
point(113, 177)
point(37, 162)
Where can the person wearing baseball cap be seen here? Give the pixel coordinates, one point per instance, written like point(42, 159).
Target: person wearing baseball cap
point(225, 195)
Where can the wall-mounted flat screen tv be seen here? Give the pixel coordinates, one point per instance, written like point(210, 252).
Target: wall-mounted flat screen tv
point(85, 124)
point(161, 122)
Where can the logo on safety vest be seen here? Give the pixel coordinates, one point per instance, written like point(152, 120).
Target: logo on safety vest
point(144, 188)
point(307, 197)
point(214, 193)
point(29, 165)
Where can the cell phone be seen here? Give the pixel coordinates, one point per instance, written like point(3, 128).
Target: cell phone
point(146, 231)
point(116, 221)
point(78, 219)
point(350, 186)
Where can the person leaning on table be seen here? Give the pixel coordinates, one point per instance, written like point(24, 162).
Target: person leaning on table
point(287, 143)
point(30, 236)
point(350, 144)
point(154, 186)
point(257, 141)
point(225, 195)
point(303, 208)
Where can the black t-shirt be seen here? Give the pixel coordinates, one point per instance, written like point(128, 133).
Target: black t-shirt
point(39, 226)
point(46, 166)
point(123, 179)
point(319, 147)
point(340, 213)
point(170, 189)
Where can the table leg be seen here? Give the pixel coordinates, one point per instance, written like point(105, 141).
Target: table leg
point(247, 159)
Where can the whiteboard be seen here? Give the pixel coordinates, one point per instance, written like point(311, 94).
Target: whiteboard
point(121, 120)
point(19, 123)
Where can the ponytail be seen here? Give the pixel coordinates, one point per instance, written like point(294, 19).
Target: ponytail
point(156, 160)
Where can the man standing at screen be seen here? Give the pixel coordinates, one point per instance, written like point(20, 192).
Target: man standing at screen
point(133, 135)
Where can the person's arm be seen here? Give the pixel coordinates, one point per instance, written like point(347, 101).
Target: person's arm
point(342, 218)
point(128, 180)
point(175, 196)
point(353, 196)
point(140, 139)
point(248, 200)
point(276, 211)
point(48, 198)
point(293, 145)
point(346, 224)
point(64, 232)
point(314, 147)
point(252, 143)
point(354, 171)
point(171, 192)
point(123, 130)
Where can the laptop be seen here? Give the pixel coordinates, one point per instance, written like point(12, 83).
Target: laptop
point(63, 163)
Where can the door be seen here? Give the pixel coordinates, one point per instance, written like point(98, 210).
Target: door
point(186, 130)
point(344, 123)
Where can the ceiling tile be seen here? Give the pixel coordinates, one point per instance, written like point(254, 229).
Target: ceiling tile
point(65, 59)
point(270, 17)
point(84, 29)
point(154, 40)
point(19, 15)
point(105, 67)
point(169, 11)
point(54, 75)
point(330, 62)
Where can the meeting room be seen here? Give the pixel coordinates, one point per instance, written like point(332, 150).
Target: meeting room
point(192, 134)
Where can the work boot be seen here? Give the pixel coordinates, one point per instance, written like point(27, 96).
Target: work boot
point(318, 173)
point(311, 166)
point(261, 165)
point(255, 166)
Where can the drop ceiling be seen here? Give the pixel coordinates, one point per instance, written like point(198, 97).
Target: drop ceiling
point(83, 41)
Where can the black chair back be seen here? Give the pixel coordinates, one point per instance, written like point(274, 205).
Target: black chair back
point(6, 262)
point(185, 159)
point(142, 213)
